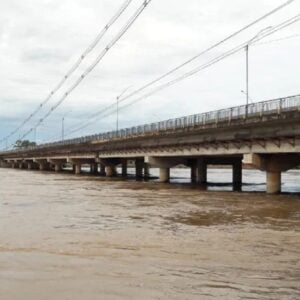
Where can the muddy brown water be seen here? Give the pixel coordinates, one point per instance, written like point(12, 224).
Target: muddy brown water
point(80, 237)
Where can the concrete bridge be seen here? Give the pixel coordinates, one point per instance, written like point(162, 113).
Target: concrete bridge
point(267, 133)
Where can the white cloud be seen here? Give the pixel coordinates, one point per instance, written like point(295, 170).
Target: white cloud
point(40, 40)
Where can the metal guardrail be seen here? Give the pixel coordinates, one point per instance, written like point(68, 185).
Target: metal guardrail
point(258, 109)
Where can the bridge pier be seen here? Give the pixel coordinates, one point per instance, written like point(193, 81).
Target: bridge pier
point(146, 170)
point(124, 167)
point(139, 165)
point(237, 175)
point(194, 171)
point(44, 166)
point(274, 165)
point(164, 174)
point(77, 168)
point(57, 167)
point(110, 171)
point(273, 182)
point(102, 170)
point(201, 171)
point(94, 168)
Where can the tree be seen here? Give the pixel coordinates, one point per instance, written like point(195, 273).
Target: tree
point(24, 144)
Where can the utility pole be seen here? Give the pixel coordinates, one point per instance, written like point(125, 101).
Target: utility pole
point(247, 65)
point(118, 113)
point(63, 125)
point(117, 104)
point(62, 128)
point(247, 79)
point(35, 134)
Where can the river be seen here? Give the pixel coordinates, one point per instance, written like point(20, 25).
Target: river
point(81, 237)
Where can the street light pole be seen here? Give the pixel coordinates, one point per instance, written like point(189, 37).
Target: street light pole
point(62, 128)
point(247, 78)
point(35, 134)
point(118, 113)
point(117, 103)
point(63, 125)
point(247, 64)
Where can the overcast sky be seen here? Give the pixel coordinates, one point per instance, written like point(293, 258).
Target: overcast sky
point(41, 39)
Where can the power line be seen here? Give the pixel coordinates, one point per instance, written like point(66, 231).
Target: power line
point(89, 49)
point(215, 60)
point(106, 112)
point(279, 40)
point(207, 50)
point(200, 68)
point(129, 23)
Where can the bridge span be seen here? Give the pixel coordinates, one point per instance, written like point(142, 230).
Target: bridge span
point(267, 133)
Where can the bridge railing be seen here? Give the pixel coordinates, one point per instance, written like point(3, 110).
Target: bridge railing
point(259, 109)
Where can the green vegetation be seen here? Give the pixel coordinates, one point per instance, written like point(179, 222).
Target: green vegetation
point(24, 144)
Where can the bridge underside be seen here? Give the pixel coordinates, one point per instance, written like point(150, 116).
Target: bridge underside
point(272, 164)
point(271, 144)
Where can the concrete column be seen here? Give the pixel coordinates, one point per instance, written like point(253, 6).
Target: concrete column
point(57, 167)
point(146, 170)
point(201, 171)
point(194, 172)
point(273, 182)
point(92, 168)
point(77, 168)
point(95, 168)
point(30, 166)
point(124, 167)
point(237, 175)
point(164, 174)
point(139, 168)
point(110, 171)
point(102, 170)
point(43, 166)
point(20, 165)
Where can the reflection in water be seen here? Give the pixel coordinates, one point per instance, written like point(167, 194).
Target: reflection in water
point(79, 237)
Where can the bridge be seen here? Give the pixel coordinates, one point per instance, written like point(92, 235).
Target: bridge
point(267, 133)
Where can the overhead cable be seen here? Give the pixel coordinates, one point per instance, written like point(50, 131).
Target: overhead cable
point(119, 35)
point(105, 112)
point(89, 49)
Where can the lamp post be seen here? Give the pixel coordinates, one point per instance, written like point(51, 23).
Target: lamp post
point(63, 125)
point(35, 132)
point(117, 103)
point(247, 65)
point(242, 91)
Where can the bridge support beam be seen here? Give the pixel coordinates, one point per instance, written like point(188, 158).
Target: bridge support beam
point(110, 171)
point(57, 167)
point(146, 170)
point(237, 175)
point(139, 165)
point(201, 171)
point(94, 168)
point(194, 171)
point(77, 168)
point(56, 164)
point(274, 164)
point(124, 167)
point(164, 174)
point(44, 166)
point(102, 170)
point(273, 182)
